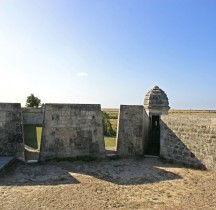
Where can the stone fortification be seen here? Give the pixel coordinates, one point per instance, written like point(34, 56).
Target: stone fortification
point(131, 130)
point(146, 129)
point(189, 139)
point(156, 102)
point(33, 116)
point(72, 130)
point(11, 130)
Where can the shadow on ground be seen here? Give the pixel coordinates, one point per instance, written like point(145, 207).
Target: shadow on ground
point(22, 174)
point(120, 172)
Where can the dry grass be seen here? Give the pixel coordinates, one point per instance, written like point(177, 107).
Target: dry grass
point(110, 141)
point(113, 114)
point(194, 112)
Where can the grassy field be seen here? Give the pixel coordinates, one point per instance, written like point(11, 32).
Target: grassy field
point(39, 135)
point(110, 141)
point(113, 114)
point(114, 123)
point(194, 112)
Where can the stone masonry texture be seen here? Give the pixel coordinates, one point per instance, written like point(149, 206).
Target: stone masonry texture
point(130, 130)
point(72, 130)
point(11, 130)
point(156, 102)
point(189, 139)
point(33, 116)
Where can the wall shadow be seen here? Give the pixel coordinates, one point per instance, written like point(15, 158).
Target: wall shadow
point(127, 171)
point(21, 174)
point(176, 150)
point(120, 172)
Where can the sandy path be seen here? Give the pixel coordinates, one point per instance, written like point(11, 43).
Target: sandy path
point(124, 184)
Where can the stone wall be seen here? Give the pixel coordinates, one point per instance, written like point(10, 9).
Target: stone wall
point(189, 139)
point(72, 130)
point(11, 130)
point(146, 127)
point(131, 130)
point(33, 116)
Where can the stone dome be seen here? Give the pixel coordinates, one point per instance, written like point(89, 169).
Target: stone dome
point(156, 101)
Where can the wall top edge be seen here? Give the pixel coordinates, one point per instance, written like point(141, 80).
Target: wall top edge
point(122, 105)
point(69, 104)
point(5, 103)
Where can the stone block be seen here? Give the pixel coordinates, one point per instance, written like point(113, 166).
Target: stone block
point(130, 139)
point(72, 130)
point(11, 130)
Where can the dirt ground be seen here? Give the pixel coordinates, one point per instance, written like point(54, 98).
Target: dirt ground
point(107, 184)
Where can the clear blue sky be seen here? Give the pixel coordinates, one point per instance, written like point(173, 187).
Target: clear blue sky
point(108, 51)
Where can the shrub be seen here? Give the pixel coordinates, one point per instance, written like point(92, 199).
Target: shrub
point(107, 126)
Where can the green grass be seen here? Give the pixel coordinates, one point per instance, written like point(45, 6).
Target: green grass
point(39, 135)
point(32, 136)
point(113, 118)
point(110, 141)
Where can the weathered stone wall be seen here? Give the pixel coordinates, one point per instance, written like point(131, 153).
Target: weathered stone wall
point(11, 130)
point(146, 127)
point(189, 139)
point(72, 130)
point(33, 116)
point(130, 130)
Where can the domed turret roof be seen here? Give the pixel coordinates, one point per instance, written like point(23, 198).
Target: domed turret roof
point(156, 101)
